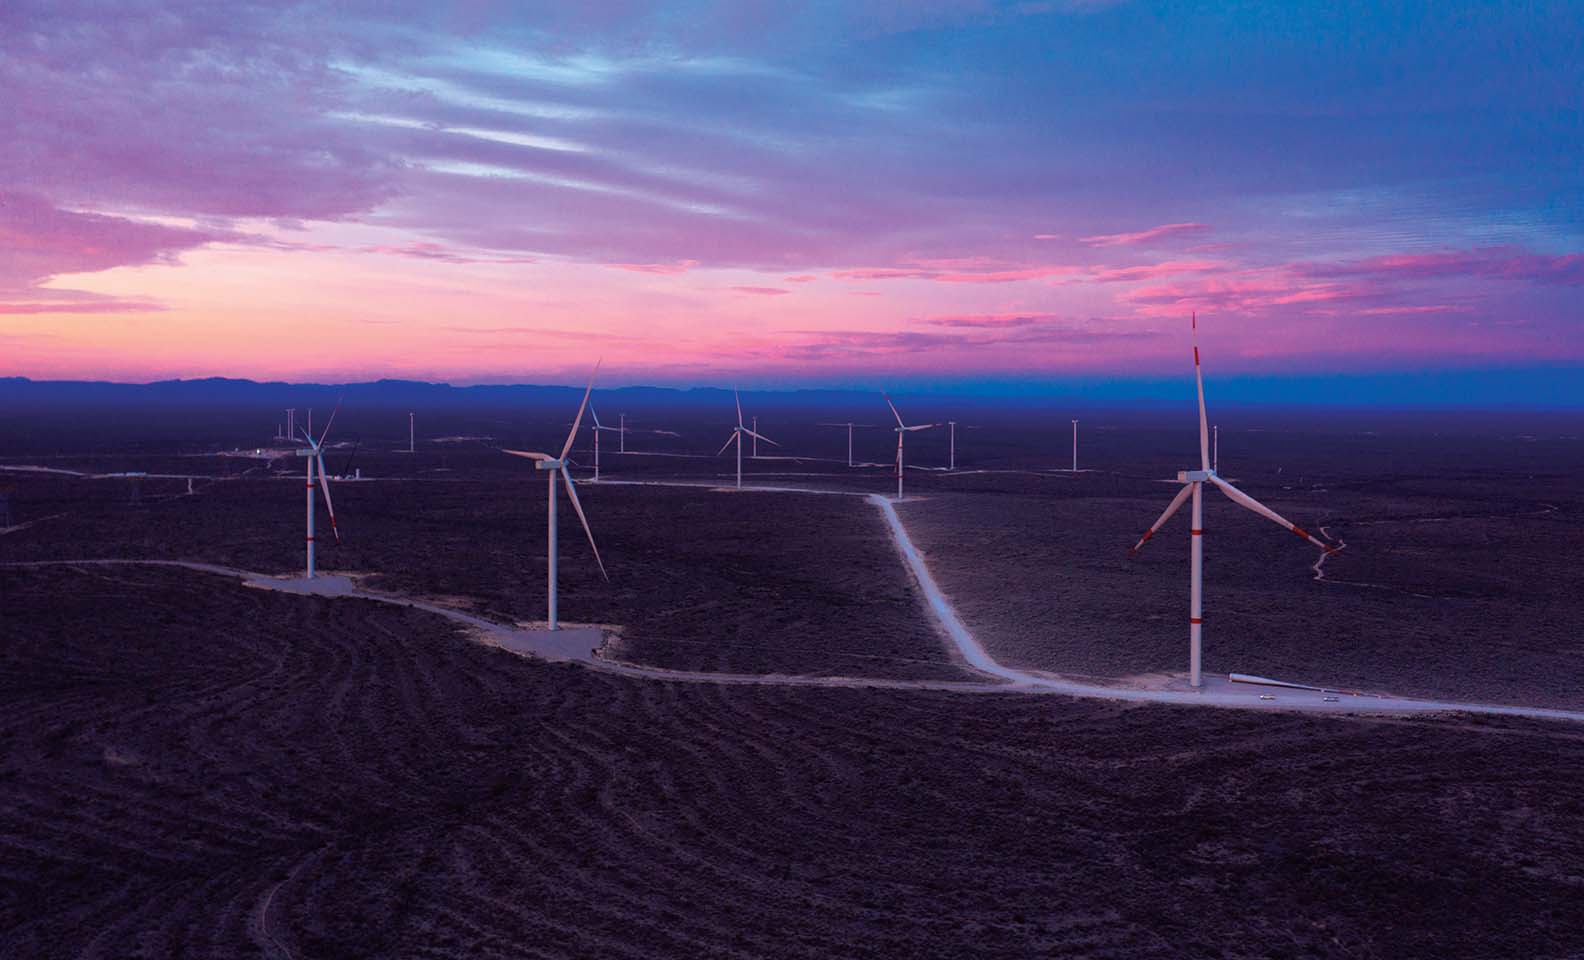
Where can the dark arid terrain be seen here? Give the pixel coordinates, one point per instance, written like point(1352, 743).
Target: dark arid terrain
point(194, 768)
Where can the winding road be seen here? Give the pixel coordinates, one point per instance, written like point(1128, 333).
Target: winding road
point(571, 644)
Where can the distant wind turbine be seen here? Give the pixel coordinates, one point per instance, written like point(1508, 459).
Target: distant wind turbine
point(736, 437)
point(1193, 482)
point(598, 429)
point(315, 455)
point(558, 465)
point(902, 430)
point(849, 425)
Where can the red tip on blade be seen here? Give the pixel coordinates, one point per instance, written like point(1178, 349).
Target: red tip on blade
point(1196, 355)
point(1196, 620)
point(1300, 531)
point(1195, 316)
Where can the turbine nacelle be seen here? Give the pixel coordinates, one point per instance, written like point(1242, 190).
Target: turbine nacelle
point(1195, 476)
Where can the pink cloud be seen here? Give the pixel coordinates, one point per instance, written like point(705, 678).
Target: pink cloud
point(981, 321)
point(83, 306)
point(680, 266)
point(1144, 236)
point(805, 278)
point(1155, 270)
point(961, 270)
point(762, 291)
point(422, 250)
point(41, 241)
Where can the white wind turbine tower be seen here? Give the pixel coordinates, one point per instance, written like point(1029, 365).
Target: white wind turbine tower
point(1075, 447)
point(1193, 482)
point(952, 462)
point(558, 465)
point(598, 429)
point(315, 455)
point(849, 425)
point(902, 430)
point(736, 437)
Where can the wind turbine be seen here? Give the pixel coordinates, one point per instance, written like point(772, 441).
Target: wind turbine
point(598, 429)
point(558, 465)
point(1075, 447)
point(315, 455)
point(736, 437)
point(849, 425)
point(902, 430)
point(952, 463)
point(1193, 482)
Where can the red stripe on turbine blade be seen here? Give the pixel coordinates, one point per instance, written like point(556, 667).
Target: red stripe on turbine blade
point(1197, 533)
point(1300, 531)
point(1196, 356)
point(310, 539)
point(1196, 620)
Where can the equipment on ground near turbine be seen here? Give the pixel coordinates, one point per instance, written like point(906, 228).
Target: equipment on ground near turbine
point(558, 465)
point(1193, 482)
point(315, 455)
point(1075, 447)
point(849, 425)
point(736, 437)
point(902, 429)
point(598, 428)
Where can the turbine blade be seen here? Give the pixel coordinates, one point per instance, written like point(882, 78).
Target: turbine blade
point(922, 426)
point(1173, 507)
point(595, 414)
point(893, 408)
point(530, 454)
point(727, 444)
point(761, 437)
point(571, 490)
point(324, 485)
point(1204, 428)
point(578, 420)
point(1249, 503)
point(326, 432)
point(737, 400)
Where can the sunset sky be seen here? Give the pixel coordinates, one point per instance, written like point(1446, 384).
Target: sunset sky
point(820, 194)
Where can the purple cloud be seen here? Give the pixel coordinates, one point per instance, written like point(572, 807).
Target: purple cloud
point(1144, 236)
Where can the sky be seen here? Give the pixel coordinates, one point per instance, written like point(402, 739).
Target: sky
point(814, 194)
